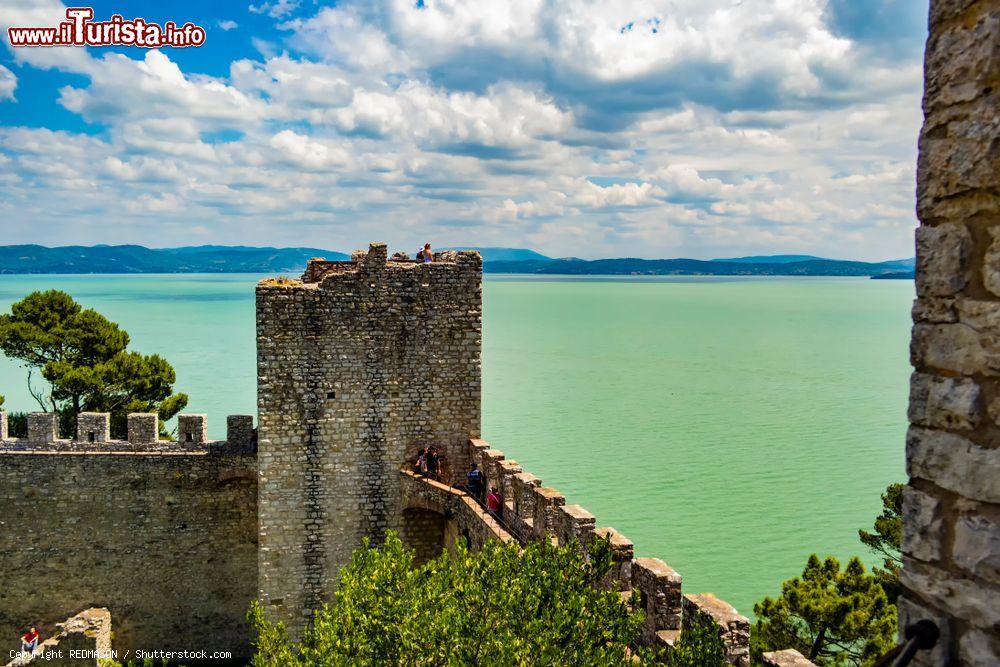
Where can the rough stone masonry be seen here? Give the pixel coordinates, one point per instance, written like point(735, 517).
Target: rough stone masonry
point(161, 533)
point(359, 364)
point(951, 507)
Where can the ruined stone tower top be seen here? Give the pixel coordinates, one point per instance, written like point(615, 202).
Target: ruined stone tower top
point(376, 261)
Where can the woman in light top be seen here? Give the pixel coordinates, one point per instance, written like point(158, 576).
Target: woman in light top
point(426, 255)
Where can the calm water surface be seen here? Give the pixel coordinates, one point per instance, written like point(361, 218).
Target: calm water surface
point(728, 426)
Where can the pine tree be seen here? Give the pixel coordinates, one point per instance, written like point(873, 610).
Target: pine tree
point(84, 359)
point(887, 540)
point(831, 616)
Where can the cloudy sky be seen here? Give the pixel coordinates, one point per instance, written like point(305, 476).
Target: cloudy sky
point(693, 128)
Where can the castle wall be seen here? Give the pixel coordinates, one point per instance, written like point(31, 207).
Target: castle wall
point(162, 535)
point(951, 541)
point(359, 365)
point(423, 530)
point(533, 512)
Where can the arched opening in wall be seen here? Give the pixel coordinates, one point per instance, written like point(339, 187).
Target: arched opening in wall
point(423, 530)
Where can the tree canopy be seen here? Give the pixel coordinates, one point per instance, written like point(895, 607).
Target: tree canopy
point(502, 605)
point(83, 357)
point(831, 616)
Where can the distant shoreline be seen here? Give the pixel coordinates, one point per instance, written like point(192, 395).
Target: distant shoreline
point(135, 260)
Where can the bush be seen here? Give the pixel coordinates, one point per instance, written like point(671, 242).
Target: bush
point(497, 606)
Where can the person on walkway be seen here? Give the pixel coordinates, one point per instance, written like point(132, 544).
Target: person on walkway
point(433, 463)
point(474, 481)
point(425, 255)
point(29, 640)
point(494, 503)
point(422, 461)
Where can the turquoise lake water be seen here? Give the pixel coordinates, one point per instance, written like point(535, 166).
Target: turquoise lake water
point(728, 426)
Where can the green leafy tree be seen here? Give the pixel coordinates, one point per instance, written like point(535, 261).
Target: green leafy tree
point(886, 540)
point(83, 358)
point(498, 606)
point(699, 646)
point(831, 616)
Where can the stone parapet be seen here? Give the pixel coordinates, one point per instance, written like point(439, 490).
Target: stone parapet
point(43, 427)
point(93, 434)
point(659, 587)
point(167, 540)
point(733, 628)
point(537, 512)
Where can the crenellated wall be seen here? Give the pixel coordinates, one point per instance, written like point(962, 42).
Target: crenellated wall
point(162, 533)
point(93, 434)
point(535, 512)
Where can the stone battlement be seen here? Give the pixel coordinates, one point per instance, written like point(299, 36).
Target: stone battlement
point(535, 512)
point(93, 435)
point(376, 260)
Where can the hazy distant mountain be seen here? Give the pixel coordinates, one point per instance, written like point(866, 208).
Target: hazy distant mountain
point(771, 259)
point(661, 267)
point(246, 259)
point(905, 264)
point(138, 259)
point(506, 254)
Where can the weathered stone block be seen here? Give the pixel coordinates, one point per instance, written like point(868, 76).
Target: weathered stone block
point(944, 402)
point(972, 601)
point(954, 347)
point(787, 658)
point(994, 410)
point(922, 535)
point(42, 427)
point(991, 262)
point(143, 428)
point(977, 545)
point(978, 648)
point(192, 429)
point(3, 425)
point(733, 628)
point(957, 145)
point(954, 463)
point(574, 523)
point(239, 431)
point(659, 587)
point(942, 259)
point(547, 500)
point(508, 469)
point(960, 56)
point(93, 427)
point(934, 310)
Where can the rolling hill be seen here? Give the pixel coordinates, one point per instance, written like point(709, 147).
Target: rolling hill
point(248, 259)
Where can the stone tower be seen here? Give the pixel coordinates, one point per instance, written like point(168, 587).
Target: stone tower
point(359, 364)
